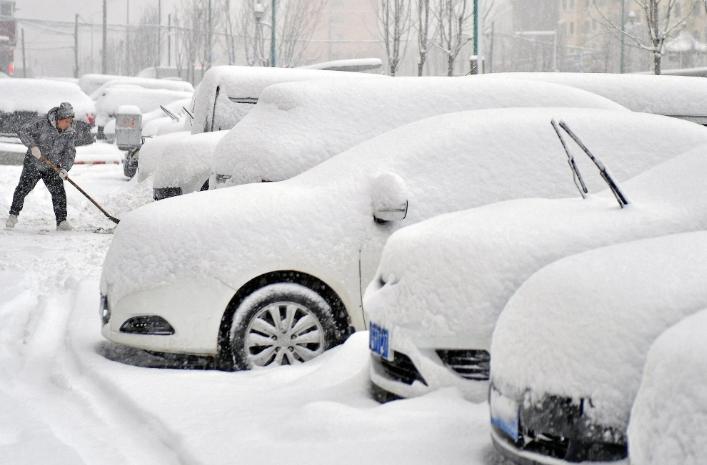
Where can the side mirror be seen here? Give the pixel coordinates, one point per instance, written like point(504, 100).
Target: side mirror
point(390, 198)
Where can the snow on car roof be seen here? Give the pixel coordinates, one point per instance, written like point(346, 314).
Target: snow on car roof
point(582, 326)
point(663, 95)
point(247, 82)
point(146, 83)
point(42, 95)
point(669, 416)
point(145, 99)
point(297, 125)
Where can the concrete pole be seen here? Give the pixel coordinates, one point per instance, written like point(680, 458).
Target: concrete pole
point(104, 49)
point(273, 35)
point(158, 57)
point(127, 39)
point(622, 59)
point(24, 61)
point(169, 40)
point(209, 42)
point(76, 45)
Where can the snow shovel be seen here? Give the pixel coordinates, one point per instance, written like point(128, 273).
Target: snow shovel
point(71, 181)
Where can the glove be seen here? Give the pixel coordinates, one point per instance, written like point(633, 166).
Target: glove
point(36, 153)
point(63, 174)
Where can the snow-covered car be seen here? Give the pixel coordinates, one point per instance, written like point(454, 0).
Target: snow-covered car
point(442, 283)
point(153, 148)
point(145, 99)
point(90, 82)
point(226, 95)
point(677, 96)
point(24, 99)
point(216, 273)
point(668, 421)
point(298, 125)
point(570, 346)
point(161, 84)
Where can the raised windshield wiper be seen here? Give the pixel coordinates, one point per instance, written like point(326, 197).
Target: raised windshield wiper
point(576, 175)
point(603, 170)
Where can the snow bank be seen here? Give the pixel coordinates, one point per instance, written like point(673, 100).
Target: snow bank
point(662, 95)
point(186, 162)
point(453, 274)
point(582, 326)
point(145, 99)
point(320, 220)
point(42, 95)
point(152, 150)
point(98, 152)
point(244, 82)
point(669, 417)
point(297, 125)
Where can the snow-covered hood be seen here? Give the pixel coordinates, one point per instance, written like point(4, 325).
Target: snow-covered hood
point(662, 95)
point(145, 99)
point(152, 150)
point(665, 427)
point(581, 327)
point(448, 278)
point(186, 162)
point(41, 95)
point(297, 125)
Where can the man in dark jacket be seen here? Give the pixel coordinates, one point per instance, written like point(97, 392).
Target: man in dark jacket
point(53, 138)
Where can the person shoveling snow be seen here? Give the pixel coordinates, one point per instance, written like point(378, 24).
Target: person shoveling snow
point(49, 136)
point(50, 141)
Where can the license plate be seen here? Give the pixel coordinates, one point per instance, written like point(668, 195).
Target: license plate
point(504, 414)
point(379, 341)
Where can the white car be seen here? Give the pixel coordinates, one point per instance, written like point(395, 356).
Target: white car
point(298, 125)
point(161, 84)
point(158, 122)
point(215, 273)
point(154, 148)
point(225, 95)
point(668, 421)
point(570, 346)
point(677, 96)
point(442, 284)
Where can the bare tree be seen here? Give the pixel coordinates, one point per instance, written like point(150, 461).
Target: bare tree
point(423, 33)
point(663, 19)
point(452, 17)
point(394, 27)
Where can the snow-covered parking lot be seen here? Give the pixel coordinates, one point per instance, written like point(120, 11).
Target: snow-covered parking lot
point(67, 397)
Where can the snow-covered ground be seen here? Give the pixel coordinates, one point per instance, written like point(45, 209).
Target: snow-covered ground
point(69, 398)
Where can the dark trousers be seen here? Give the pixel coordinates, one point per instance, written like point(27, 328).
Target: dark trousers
point(29, 178)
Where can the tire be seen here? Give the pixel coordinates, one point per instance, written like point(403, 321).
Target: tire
point(281, 324)
point(130, 164)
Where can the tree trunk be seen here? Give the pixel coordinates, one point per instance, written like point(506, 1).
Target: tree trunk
point(657, 59)
point(450, 65)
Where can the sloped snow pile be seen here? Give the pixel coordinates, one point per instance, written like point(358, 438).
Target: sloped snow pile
point(297, 125)
point(41, 95)
point(187, 162)
point(452, 275)
point(582, 326)
point(662, 95)
point(669, 417)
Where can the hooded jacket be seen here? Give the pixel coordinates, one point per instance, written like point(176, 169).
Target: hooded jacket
point(57, 146)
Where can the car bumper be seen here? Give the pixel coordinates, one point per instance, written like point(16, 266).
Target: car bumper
point(192, 308)
point(433, 373)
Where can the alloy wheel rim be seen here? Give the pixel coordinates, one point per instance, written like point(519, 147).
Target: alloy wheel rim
point(283, 333)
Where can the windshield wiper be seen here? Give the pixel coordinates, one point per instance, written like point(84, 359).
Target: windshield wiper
point(246, 100)
point(576, 175)
point(603, 170)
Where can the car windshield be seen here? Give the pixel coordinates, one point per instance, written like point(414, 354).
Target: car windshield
point(561, 126)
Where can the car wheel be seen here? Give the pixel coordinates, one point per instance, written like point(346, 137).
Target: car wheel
point(281, 324)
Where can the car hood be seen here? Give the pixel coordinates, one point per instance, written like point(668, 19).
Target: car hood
point(187, 161)
point(582, 326)
point(236, 234)
point(445, 281)
point(152, 151)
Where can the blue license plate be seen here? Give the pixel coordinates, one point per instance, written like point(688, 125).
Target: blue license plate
point(504, 414)
point(379, 341)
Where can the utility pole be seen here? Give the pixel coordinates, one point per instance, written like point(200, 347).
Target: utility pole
point(76, 45)
point(273, 35)
point(476, 36)
point(127, 38)
point(622, 62)
point(24, 62)
point(104, 49)
point(158, 55)
point(208, 39)
point(169, 40)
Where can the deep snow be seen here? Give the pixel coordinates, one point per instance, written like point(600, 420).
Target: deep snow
point(65, 403)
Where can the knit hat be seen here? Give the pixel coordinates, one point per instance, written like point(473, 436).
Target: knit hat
point(65, 110)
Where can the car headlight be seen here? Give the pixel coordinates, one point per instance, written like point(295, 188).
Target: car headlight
point(223, 178)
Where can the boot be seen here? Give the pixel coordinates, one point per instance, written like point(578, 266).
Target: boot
point(64, 226)
point(11, 221)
